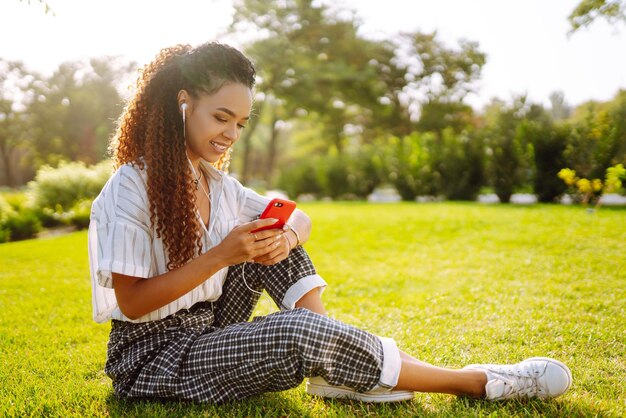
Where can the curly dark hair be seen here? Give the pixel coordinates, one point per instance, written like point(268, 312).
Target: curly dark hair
point(150, 135)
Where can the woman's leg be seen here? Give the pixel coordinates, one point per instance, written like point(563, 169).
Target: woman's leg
point(292, 283)
point(417, 376)
point(271, 353)
point(238, 301)
point(312, 301)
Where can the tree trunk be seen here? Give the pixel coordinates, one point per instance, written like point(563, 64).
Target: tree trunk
point(272, 149)
point(6, 163)
point(247, 142)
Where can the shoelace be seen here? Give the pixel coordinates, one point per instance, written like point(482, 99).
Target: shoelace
point(520, 382)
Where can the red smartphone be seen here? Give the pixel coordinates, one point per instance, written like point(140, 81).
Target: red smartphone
point(280, 209)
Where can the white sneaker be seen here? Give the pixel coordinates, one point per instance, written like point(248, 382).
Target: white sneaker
point(539, 377)
point(317, 386)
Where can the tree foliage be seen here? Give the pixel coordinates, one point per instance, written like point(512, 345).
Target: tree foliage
point(587, 11)
point(67, 116)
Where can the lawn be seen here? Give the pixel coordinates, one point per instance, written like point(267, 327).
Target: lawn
point(453, 283)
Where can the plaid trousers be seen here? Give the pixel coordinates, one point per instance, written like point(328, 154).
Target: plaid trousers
point(213, 353)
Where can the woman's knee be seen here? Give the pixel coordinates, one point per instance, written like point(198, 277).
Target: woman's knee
point(304, 330)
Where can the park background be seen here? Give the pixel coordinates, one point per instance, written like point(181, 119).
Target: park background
point(343, 110)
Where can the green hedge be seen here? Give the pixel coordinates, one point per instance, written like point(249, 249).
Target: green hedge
point(17, 224)
point(57, 196)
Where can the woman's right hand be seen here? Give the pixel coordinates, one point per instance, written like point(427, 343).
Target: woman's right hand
point(241, 244)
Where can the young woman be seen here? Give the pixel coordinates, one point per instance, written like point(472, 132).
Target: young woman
point(177, 267)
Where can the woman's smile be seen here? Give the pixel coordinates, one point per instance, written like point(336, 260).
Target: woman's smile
point(219, 146)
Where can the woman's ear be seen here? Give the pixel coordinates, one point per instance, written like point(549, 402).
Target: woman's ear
point(183, 99)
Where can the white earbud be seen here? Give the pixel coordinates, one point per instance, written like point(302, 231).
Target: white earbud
point(183, 107)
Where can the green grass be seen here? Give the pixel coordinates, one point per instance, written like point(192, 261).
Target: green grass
point(452, 283)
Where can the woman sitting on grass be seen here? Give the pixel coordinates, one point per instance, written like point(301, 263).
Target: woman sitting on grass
point(177, 268)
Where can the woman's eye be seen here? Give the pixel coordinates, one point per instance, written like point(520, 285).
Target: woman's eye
point(220, 119)
point(240, 126)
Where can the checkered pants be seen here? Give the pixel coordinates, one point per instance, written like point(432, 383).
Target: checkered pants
point(211, 352)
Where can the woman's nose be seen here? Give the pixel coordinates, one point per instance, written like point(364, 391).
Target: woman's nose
point(231, 132)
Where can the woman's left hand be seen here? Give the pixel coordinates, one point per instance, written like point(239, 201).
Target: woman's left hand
point(280, 252)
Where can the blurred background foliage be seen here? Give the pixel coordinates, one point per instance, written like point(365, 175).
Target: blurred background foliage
point(336, 115)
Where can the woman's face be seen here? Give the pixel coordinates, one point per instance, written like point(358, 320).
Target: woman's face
point(214, 121)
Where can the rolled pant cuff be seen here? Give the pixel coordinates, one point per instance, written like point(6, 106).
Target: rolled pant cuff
point(390, 370)
point(301, 288)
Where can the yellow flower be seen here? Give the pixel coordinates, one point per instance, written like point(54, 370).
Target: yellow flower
point(596, 184)
point(584, 185)
point(568, 176)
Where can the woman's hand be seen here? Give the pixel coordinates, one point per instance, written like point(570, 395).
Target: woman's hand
point(278, 251)
point(241, 244)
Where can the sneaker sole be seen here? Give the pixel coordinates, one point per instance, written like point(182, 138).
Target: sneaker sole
point(558, 363)
point(326, 391)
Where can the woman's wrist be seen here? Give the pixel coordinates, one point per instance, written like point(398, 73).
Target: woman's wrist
point(217, 257)
point(288, 240)
point(294, 235)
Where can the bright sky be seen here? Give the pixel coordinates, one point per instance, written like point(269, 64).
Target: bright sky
point(526, 41)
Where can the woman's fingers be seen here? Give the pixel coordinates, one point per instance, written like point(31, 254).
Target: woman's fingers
point(259, 223)
point(256, 246)
point(277, 251)
point(267, 245)
point(268, 233)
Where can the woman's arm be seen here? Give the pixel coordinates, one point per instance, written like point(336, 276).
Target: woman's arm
point(301, 222)
point(137, 296)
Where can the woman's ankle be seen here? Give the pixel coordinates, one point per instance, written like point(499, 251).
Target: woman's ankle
point(476, 383)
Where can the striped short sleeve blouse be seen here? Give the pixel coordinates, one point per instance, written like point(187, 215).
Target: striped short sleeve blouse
point(123, 240)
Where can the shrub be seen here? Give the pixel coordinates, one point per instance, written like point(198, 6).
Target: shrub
point(333, 176)
point(460, 165)
point(6, 211)
point(17, 199)
point(590, 190)
point(16, 225)
point(79, 214)
point(408, 162)
point(300, 178)
point(23, 225)
point(59, 189)
point(549, 148)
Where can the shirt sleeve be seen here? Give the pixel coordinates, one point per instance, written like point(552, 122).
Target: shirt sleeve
point(124, 234)
point(251, 204)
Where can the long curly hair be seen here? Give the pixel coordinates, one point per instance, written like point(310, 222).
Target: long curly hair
point(150, 135)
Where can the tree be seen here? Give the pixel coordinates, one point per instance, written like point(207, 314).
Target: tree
point(441, 78)
point(75, 111)
point(559, 109)
point(506, 148)
point(548, 140)
point(47, 8)
point(587, 11)
point(312, 62)
point(598, 136)
point(14, 82)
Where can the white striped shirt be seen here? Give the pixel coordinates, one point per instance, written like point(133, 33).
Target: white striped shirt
point(123, 240)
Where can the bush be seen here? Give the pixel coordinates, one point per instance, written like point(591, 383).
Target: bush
point(6, 211)
point(16, 225)
point(17, 199)
point(408, 163)
point(345, 176)
point(301, 178)
point(460, 165)
point(549, 148)
point(59, 189)
point(79, 214)
point(23, 225)
point(366, 171)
